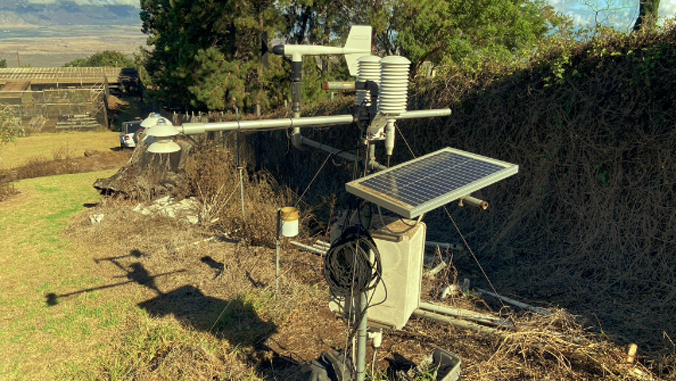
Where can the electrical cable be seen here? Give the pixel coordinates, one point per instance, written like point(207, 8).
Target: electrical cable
point(348, 269)
point(380, 215)
point(313, 179)
point(374, 364)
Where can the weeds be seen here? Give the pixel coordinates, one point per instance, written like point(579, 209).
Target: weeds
point(215, 180)
point(165, 350)
point(588, 222)
point(7, 189)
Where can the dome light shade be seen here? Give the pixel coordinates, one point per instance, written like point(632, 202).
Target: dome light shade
point(162, 129)
point(164, 146)
point(151, 120)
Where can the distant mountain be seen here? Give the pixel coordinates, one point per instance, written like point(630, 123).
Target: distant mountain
point(25, 13)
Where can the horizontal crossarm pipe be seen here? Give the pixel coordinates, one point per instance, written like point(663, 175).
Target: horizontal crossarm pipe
point(285, 123)
point(424, 113)
point(339, 86)
point(339, 153)
point(265, 124)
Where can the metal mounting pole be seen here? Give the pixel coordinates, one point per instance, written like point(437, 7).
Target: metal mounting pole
point(362, 336)
point(241, 176)
point(241, 189)
point(278, 244)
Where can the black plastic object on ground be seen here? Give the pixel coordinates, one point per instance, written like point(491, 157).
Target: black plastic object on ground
point(329, 367)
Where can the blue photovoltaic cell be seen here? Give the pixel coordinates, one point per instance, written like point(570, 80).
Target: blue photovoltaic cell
point(430, 177)
point(431, 181)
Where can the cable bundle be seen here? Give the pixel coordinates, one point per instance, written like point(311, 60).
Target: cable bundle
point(348, 269)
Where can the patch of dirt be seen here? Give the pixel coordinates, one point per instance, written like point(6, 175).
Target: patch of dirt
point(93, 161)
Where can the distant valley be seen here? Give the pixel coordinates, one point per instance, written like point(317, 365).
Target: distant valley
point(50, 35)
point(22, 13)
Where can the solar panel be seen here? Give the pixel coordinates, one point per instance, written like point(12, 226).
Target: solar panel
point(428, 182)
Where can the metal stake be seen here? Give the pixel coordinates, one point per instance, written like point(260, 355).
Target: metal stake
point(362, 338)
point(278, 244)
point(241, 188)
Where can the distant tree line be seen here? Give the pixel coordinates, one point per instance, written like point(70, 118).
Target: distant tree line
point(109, 58)
point(205, 54)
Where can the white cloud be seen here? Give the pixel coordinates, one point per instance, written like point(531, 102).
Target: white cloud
point(668, 8)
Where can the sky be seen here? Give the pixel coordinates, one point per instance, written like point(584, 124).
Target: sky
point(618, 13)
point(90, 2)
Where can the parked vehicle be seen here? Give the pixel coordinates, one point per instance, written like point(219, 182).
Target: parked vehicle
point(130, 132)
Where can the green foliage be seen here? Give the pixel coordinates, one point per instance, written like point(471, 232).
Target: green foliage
point(10, 126)
point(108, 58)
point(464, 34)
point(3, 63)
point(206, 54)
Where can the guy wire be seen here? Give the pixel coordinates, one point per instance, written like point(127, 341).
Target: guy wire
point(313, 179)
point(457, 228)
point(473, 255)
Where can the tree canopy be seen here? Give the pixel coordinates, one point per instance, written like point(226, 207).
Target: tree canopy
point(205, 54)
point(3, 63)
point(110, 58)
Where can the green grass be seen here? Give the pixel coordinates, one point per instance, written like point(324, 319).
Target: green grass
point(37, 259)
point(49, 144)
point(98, 334)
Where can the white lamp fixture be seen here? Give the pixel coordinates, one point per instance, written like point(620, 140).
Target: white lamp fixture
point(162, 132)
point(151, 120)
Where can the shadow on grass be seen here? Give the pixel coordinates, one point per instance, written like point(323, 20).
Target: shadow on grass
point(136, 273)
point(235, 321)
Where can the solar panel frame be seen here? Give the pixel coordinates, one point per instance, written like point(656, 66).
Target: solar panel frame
point(429, 175)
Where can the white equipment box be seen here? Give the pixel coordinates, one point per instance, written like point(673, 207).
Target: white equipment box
point(401, 245)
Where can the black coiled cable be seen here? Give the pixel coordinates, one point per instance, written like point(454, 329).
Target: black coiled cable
point(348, 269)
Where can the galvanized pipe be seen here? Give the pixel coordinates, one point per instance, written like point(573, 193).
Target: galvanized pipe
point(264, 124)
point(295, 123)
point(464, 314)
point(339, 86)
point(456, 322)
point(475, 202)
point(453, 246)
point(308, 248)
point(362, 337)
point(337, 152)
point(424, 113)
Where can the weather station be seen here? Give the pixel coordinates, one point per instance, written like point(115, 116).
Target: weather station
point(374, 262)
